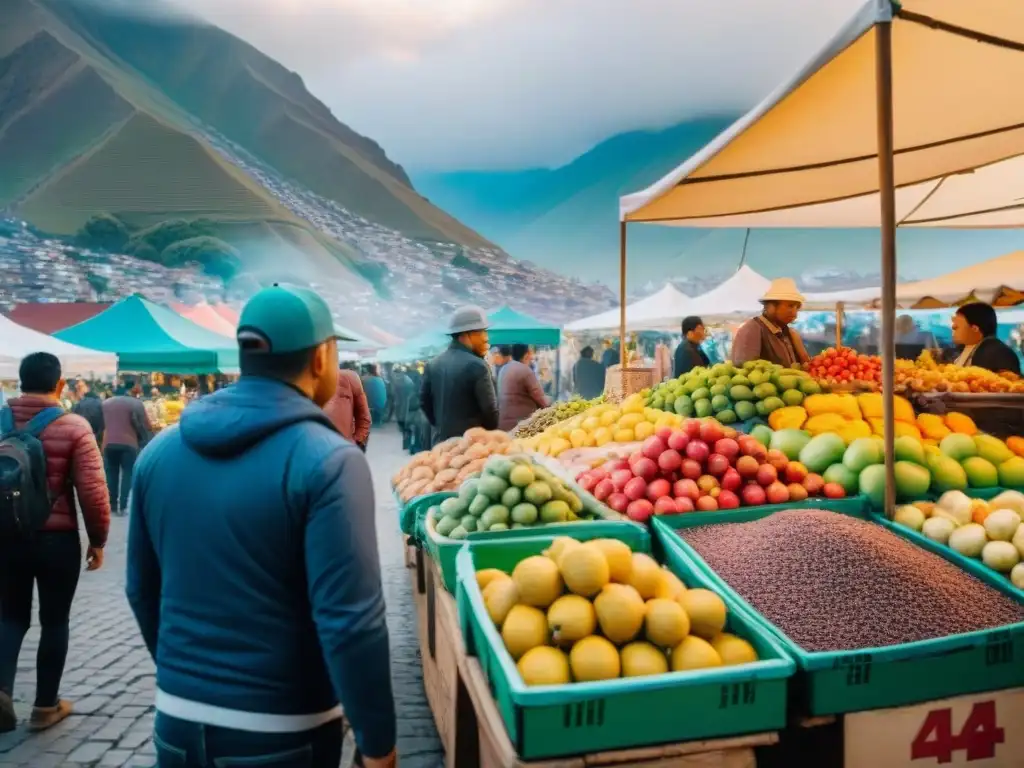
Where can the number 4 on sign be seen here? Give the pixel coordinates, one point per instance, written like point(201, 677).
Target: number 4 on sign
point(978, 737)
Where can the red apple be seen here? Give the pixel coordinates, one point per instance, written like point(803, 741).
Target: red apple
point(670, 461)
point(678, 440)
point(603, 489)
point(587, 481)
point(778, 459)
point(640, 510)
point(728, 500)
point(766, 475)
point(634, 457)
point(730, 432)
point(620, 477)
point(614, 465)
point(795, 472)
point(684, 504)
point(731, 480)
point(834, 491)
point(697, 450)
point(706, 483)
point(600, 473)
point(686, 488)
point(692, 428)
point(691, 469)
point(777, 493)
point(814, 484)
point(618, 502)
point(747, 466)
point(797, 492)
point(658, 489)
point(645, 468)
point(717, 464)
point(753, 496)
point(653, 447)
point(635, 489)
point(728, 448)
point(750, 447)
point(707, 504)
point(664, 434)
point(711, 431)
point(666, 505)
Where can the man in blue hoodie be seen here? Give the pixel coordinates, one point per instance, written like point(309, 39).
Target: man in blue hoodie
point(252, 562)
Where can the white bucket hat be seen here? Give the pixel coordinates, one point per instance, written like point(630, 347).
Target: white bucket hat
point(783, 289)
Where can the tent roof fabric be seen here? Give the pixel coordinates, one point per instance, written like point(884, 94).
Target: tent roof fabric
point(17, 341)
point(740, 295)
point(49, 317)
point(511, 327)
point(207, 317)
point(806, 156)
point(663, 309)
point(227, 313)
point(148, 337)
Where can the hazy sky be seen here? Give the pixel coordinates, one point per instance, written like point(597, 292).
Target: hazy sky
point(475, 84)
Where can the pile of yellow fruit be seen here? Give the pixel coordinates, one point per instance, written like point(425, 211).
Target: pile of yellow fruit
point(926, 375)
point(605, 423)
point(587, 611)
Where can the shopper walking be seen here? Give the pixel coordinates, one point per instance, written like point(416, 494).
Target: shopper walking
point(47, 457)
point(126, 431)
point(89, 406)
point(273, 614)
point(458, 390)
point(588, 375)
point(520, 393)
point(348, 409)
point(404, 396)
point(376, 394)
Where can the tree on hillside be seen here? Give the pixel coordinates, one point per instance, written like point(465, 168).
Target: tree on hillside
point(166, 233)
point(216, 257)
point(104, 232)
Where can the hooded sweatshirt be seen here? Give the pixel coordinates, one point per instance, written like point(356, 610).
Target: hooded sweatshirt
point(253, 570)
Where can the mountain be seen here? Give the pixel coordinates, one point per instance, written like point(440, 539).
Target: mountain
point(566, 219)
point(102, 111)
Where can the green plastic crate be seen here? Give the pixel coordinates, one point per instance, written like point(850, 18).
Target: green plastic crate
point(557, 721)
point(409, 514)
point(444, 550)
point(871, 678)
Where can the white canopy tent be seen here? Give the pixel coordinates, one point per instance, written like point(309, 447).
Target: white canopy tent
point(908, 117)
point(739, 296)
point(17, 341)
point(661, 310)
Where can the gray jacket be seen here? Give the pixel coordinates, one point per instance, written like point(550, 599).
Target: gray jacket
point(458, 393)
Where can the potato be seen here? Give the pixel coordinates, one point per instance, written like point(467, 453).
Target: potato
point(476, 434)
point(477, 451)
point(496, 435)
point(458, 462)
point(423, 473)
point(446, 476)
point(474, 466)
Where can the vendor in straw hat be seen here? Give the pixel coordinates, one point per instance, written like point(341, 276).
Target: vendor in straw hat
point(768, 336)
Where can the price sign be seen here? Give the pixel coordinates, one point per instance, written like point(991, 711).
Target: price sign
point(984, 730)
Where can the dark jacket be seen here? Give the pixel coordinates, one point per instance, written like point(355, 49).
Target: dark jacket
point(520, 394)
point(610, 357)
point(125, 422)
point(404, 395)
point(90, 408)
point(588, 378)
point(252, 562)
point(993, 354)
point(74, 465)
point(458, 393)
point(687, 357)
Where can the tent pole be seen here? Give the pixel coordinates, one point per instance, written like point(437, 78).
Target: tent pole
point(839, 324)
point(887, 200)
point(623, 357)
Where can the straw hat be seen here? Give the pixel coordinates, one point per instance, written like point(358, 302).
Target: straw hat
point(783, 289)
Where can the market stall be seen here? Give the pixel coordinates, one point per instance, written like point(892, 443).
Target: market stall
point(661, 310)
point(17, 341)
point(206, 316)
point(149, 338)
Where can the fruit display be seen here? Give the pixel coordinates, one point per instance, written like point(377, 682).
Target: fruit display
point(552, 415)
point(832, 582)
point(444, 467)
point(595, 610)
point(512, 492)
point(732, 394)
point(926, 375)
point(699, 467)
point(850, 416)
point(990, 531)
point(844, 367)
point(600, 425)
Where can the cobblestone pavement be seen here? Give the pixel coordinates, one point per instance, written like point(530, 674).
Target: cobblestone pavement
point(110, 676)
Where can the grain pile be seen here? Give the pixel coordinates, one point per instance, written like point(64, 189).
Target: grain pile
point(832, 582)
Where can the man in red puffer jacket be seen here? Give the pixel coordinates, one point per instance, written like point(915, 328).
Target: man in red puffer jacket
point(51, 558)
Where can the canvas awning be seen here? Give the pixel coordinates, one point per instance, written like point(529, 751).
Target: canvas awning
point(148, 337)
point(661, 310)
point(807, 155)
point(208, 317)
point(511, 327)
point(17, 341)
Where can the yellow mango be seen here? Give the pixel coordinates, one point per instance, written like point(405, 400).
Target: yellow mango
point(623, 436)
point(872, 407)
point(853, 429)
point(932, 426)
point(630, 420)
point(825, 422)
point(962, 423)
point(843, 405)
point(791, 417)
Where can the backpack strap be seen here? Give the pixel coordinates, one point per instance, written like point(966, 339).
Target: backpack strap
point(42, 420)
point(6, 421)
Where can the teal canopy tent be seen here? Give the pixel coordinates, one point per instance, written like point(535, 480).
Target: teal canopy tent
point(417, 348)
point(511, 327)
point(149, 338)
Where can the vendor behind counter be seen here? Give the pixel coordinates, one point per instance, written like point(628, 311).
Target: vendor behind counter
point(974, 328)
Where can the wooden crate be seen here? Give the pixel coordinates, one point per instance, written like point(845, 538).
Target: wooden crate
point(620, 383)
point(492, 748)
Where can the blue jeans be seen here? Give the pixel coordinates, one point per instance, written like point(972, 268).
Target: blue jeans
point(184, 744)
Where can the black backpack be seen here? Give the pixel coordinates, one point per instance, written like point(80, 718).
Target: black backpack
point(25, 499)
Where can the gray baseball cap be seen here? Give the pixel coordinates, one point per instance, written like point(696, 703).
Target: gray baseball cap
point(465, 319)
